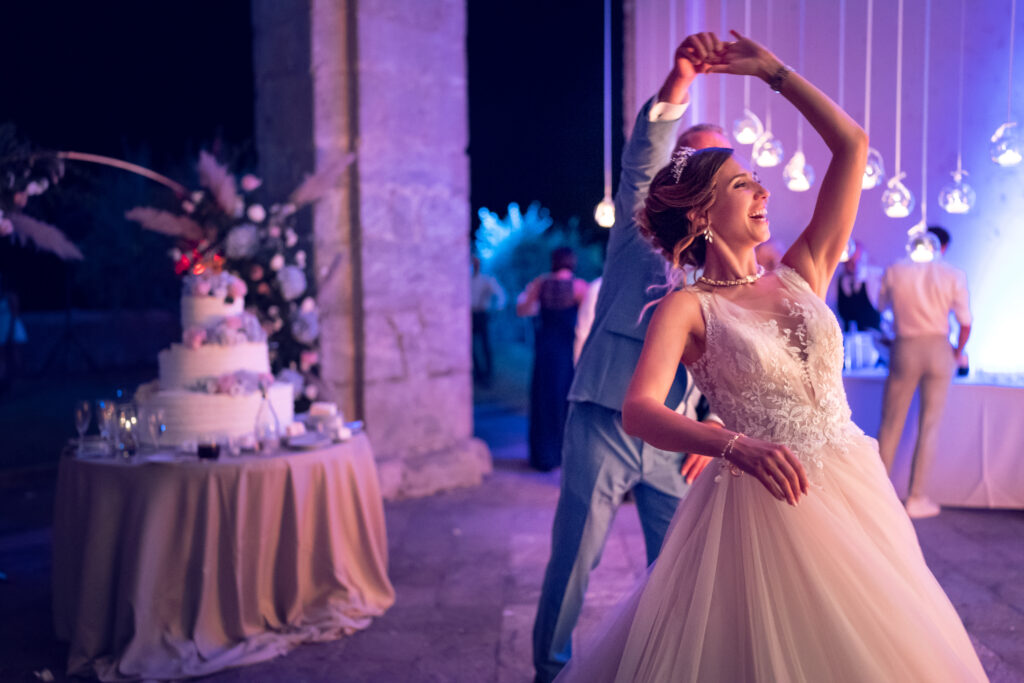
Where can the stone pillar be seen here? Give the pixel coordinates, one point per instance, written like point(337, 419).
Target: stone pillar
point(386, 80)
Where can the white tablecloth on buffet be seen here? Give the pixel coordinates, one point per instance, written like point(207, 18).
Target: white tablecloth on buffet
point(981, 458)
point(176, 569)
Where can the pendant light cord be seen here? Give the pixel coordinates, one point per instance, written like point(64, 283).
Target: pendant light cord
point(899, 83)
point(867, 70)
point(800, 68)
point(924, 111)
point(1013, 25)
point(960, 95)
point(607, 98)
point(746, 32)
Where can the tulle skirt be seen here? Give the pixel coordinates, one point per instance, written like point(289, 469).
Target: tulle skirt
point(748, 588)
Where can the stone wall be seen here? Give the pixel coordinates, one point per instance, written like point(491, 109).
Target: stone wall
point(386, 80)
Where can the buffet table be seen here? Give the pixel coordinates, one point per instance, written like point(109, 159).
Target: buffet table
point(981, 440)
point(169, 567)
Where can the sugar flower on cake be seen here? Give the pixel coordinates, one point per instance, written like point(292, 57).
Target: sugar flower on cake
point(194, 337)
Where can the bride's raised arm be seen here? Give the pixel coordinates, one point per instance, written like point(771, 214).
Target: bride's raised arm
point(815, 254)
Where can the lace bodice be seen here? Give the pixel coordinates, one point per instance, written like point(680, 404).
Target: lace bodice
point(772, 367)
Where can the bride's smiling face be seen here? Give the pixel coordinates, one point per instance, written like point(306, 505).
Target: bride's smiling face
point(739, 212)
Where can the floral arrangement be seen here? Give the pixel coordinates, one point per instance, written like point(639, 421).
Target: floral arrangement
point(26, 172)
point(247, 247)
point(237, 383)
point(231, 330)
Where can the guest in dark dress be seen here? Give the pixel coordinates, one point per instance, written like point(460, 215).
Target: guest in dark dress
point(553, 300)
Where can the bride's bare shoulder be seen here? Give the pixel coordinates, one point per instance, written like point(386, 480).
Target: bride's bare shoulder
point(681, 311)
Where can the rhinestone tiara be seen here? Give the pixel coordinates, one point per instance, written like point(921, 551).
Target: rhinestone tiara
point(679, 159)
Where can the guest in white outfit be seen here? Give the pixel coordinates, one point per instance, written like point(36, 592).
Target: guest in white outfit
point(922, 295)
point(585, 318)
point(486, 295)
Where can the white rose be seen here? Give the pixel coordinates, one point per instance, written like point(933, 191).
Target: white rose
point(290, 238)
point(256, 213)
point(197, 196)
point(277, 262)
point(37, 187)
point(300, 259)
point(308, 305)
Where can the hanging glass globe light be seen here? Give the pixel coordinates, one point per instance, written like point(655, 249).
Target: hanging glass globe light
point(922, 246)
point(957, 196)
point(897, 202)
point(768, 150)
point(874, 171)
point(848, 251)
point(1006, 148)
point(604, 214)
point(748, 128)
point(798, 174)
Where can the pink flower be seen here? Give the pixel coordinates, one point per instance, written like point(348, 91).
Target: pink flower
point(274, 231)
point(277, 262)
point(256, 273)
point(249, 182)
point(6, 227)
point(194, 337)
point(226, 384)
point(237, 289)
point(202, 288)
point(233, 322)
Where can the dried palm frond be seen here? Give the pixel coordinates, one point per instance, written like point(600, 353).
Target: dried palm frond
point(320, 183)
point(166, 223)
point(221, 184)
point(45, 237)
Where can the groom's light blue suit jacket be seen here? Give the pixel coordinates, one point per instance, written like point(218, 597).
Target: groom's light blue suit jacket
point(612, 350)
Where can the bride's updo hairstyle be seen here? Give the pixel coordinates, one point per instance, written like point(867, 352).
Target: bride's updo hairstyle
point(669, 214)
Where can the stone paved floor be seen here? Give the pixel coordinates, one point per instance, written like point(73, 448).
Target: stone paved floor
point(467, 566)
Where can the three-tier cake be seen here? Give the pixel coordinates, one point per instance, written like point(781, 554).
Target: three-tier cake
point(211, 384)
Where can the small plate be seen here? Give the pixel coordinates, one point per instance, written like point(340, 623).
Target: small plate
point(308, 442)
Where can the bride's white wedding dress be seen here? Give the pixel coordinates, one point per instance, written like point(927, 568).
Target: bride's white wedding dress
point(748, 588)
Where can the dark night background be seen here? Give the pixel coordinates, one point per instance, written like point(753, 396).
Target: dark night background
point(154, 82)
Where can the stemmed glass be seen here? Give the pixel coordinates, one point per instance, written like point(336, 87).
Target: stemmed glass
point(105, 419)
point(83, 418)
point(127, 428)
point(155, 426)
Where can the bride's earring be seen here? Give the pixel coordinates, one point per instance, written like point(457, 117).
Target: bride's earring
point(708, 235)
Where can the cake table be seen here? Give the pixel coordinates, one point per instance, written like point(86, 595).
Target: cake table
point(170, 568)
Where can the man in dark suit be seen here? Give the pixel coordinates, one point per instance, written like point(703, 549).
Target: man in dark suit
point(600, 462)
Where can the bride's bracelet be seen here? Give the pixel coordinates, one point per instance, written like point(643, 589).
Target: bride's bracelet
point(727, 450)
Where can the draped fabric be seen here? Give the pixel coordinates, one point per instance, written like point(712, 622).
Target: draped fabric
point(176, 569)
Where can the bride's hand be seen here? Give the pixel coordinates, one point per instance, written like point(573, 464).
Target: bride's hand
point(744, 57)
point(773, 465)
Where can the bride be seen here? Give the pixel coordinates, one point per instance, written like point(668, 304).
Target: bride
point(793, 560)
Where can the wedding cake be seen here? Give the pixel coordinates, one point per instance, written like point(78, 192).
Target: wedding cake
point(211, 384)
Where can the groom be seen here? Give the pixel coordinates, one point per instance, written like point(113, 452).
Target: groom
point(600, 462)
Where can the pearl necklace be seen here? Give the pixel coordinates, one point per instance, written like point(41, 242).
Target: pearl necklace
point(746, 280)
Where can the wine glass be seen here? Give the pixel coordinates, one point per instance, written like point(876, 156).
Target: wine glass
point(105, 417)
point(83, 418)
point(155, 425)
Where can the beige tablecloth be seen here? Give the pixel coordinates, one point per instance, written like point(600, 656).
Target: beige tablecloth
point(176, 569)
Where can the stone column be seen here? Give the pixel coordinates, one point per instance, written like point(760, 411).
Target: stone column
point(386, 80)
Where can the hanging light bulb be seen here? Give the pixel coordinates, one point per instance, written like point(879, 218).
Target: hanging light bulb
point(922, 246)
point(874, 171)
point(748, 128)
point(798, 174)
point(604, 214)
point(957, 196)
point(768, 150)
point(897, 202)
point(848, 251)
point(1006, 148)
